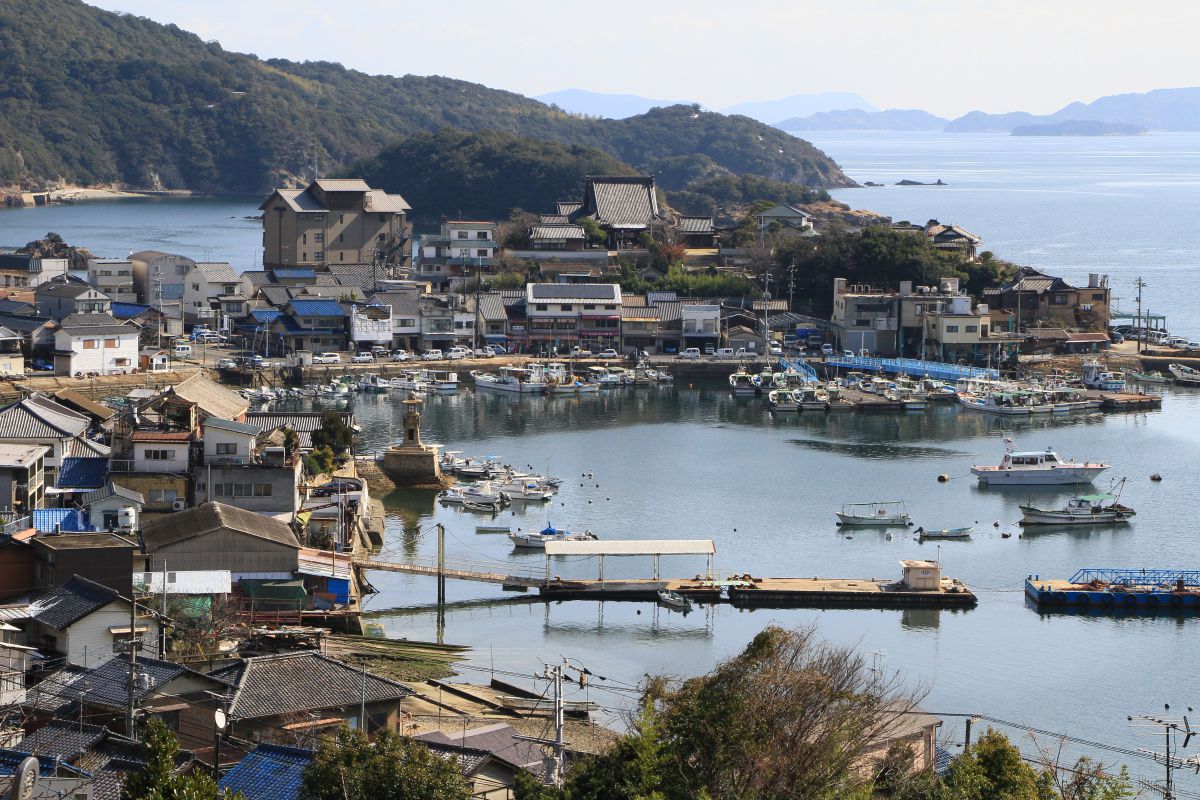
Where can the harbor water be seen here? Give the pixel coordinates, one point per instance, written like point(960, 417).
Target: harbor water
point(693, 462)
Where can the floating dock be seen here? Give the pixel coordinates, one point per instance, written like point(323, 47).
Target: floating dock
point(1125, 401)
point(845, 592)
point(1118, 590)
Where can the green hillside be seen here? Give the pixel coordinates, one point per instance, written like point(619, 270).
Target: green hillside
point(89, 96)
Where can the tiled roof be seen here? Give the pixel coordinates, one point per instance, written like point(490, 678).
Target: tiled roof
point(302, 423)
point(10, 762)
point(84, 404)
point(498, 740)
point(335, 292)
point(361, 275)
point(63, 289)
point(231, 426)
point(212, 398)
point(295, 199)
point(553, 219)
point(82, 473)
point(539, 232)
point(653, 298)
point(107, 683)
point(95, 325)
point(111, 489)
point(292, 274)
point(10, 306)
point(315, 308)
point(269, 772)
point(469, 759)
point(161, 436)
point(289, 683)
point(62, 739)
point(404, 304)
point(256, 277)
point(216, 271)
point(695, 225)
point(129, 310)
point(783, 211)
point(48, 520)
point(209, 517)
point(632, 313)
point(567, 207)
point(670, 310)
point(276, 295)
point(621, 201)
point(491, 308)
point(65, 605)
point(342, 185)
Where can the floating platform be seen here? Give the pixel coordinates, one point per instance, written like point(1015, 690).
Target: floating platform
point(848, 592)
point(1118, 590)
point(1125, 401)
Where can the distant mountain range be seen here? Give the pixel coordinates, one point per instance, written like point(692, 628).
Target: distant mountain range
point(619, 106)
point(1158, 110)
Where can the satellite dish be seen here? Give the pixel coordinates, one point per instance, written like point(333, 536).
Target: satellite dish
point(220, 719)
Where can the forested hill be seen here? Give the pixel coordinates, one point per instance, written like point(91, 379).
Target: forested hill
point(89, 96)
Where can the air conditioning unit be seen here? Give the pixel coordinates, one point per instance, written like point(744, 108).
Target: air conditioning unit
point(179, 505)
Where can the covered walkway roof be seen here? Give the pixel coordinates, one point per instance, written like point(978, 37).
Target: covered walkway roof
point(632, 547)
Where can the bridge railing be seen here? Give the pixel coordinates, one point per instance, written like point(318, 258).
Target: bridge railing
point(478, 567)
point(1138, 577)
point(913, 366)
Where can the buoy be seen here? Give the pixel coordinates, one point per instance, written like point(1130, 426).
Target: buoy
point(996, 524)
point(943, 478)
point(1006, 535)
point(1156, 477)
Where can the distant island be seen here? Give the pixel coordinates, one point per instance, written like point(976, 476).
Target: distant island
point(909, 182)
point(1080, 127)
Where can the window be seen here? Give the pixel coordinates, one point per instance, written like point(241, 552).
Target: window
point(226, 448)
point(318, 237)
point(91, 344)
point(1098, 296)
point(862, 323)
point(568, 308)
point(195, 287)
point(159, 455)
point(972, 329)
point(341, 237)
point(304, 238)
point(304, 256)
point(262, 490)
point(539, 307)
point(951, 329)
point(163, 495)
point(341, 218)
point(319, 255)
point(461, 235)
point(481, 252)
point(1059, 299)
point(112, 342)
point(589, 307)
point(120, 362)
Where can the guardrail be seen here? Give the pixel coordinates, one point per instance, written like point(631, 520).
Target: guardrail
point(913, 366)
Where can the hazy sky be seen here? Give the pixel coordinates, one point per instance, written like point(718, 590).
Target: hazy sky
point(944, 57)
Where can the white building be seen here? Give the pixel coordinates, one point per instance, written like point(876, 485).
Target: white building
point(229, 442)
point(701, 325)
point(114, 277)
point(161, 451)
point(82, 620)
point(95, 343)
point(563, 314)
point(205, 282)
point(371, 325)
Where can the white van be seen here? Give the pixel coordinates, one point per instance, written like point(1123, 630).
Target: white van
point(182, 351)
point(724, 352)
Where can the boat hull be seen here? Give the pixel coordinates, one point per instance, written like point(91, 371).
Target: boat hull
point(872, 522)
point(1043, 516)
point(1058, 476)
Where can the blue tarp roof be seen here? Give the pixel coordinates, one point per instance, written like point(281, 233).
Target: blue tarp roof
point(318, 307)
point(266, 315)
point(128, 310)
point(83, 473)
point(269, 772)
point(65, 519)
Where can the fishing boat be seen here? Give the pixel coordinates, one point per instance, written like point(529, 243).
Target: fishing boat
point(537, 541)
point(1088, 509)
point(944, 533)
point(674, 600)
point(812, 398)
point(783, 400)
point(1036, 468)
point(1095, 376)
point(884, 514)
point(741, 383)
point(605, 378)
point(374, 384)
point(411, 380)
point(1184, 375)
point(526, 490)
point(1149, 377)
point(512, 380)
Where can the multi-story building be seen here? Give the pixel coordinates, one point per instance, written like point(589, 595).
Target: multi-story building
point(313, 324)
point(114, 277)
point(207, 286)
point(235, 471)
point(86, 344)
point(1040, 299)
point(23, 271)
point(60, 298)
point(462, 250)
point(566, 314)
point(22, 477)
point(342, 221)
point(865, 318)
point(370, 325)
point(701, 325)
point(159, 278)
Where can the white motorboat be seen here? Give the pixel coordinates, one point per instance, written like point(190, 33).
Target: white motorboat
point(440, 380)
point(374, 384)
point(741, 383)
point(521, 489)
point(885, 514)
point(812, 398)
point(482, 494)
point(410, 380)
point(674, 600)
point(512, 380)
point(1089, 509)
point(1184, 375)
point(1036, 468)
point(537, 541)
point(783, 400)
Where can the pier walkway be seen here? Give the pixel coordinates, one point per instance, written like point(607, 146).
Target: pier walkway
point(459, 570)
point(913, 367)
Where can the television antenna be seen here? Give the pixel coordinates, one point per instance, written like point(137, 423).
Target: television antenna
point(1170, 728)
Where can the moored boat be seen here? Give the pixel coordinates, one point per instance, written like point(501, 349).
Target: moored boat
point(1184, 375)
point(531, 540)
point(513, 380)
point(945, 533)
point(1036, 468)
point(1095, 376)
point(883, 514)
point(741, 383)
point(1088, 509)
point(674, 600)
point(783, 400)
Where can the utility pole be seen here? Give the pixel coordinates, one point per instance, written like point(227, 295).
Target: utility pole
point(132, 687)
point(1170, 726)
point(441, 583)
point(1140, 331)
point(791, 283)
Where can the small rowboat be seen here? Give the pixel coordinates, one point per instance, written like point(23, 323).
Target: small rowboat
point(945, 533)
point(504, 529)
point(674, 600)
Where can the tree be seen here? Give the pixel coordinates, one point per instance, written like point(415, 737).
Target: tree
point(351, 767)
point(320, 460)
point(595, 234)
point(159, 780)
point(334, 434)
point(993, 769)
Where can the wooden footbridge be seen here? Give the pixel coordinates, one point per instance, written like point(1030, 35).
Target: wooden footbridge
point(458, 570)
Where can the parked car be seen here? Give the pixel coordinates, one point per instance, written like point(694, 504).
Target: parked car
point(42, 365)
point(182, 351)
point(690, 352)
point(208, 337)
point(379, 350)
point(498, 349)
point(724, 353)
point(327, 358)
point(432, 355)
point(847, 354)
point(1116, 337)
point(608, 353)
point(864, 353)
point(226, 363)
point(826, 349)
point(744, 353)
point(485, 352)
point(580, 352)
point(401, 355)
point(338, 486)
point(362, 358)
point(458, 352)
point(709, 349)
point(775, 349)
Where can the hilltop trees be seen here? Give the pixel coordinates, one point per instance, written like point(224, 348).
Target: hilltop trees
point(351, 767)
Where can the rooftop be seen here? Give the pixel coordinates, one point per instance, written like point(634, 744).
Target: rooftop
point(111, 489)
point(231, 426)
point(82, 473)
point(65, 605)
point(621, 201)
point(319, 307)
point(95, 325)
point(212, 398)
point(600, 292)
point(21, 456)
point(211, 516)
point(269, 772)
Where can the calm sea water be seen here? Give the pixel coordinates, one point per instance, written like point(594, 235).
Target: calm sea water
point(694, 462)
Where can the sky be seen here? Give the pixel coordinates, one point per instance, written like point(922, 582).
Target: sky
point(944, 57)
